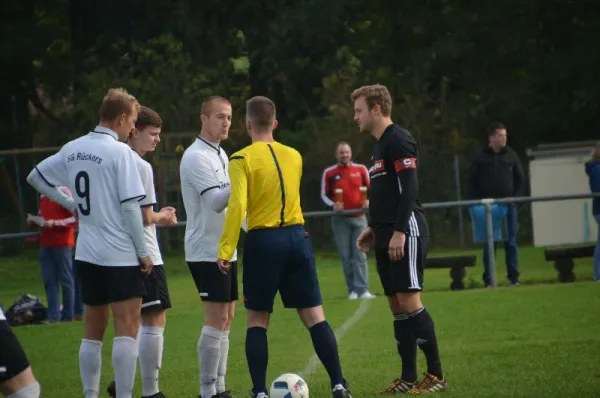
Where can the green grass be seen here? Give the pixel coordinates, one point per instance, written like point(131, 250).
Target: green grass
point(536, 340)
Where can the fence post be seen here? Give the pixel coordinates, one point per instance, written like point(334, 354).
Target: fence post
point(19, 193)
point(459, 209)
point(490, 240)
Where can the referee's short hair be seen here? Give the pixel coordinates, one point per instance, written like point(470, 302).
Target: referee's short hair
point(117, 102)
point(261, 112)
point(375, 94)
point(147, 117)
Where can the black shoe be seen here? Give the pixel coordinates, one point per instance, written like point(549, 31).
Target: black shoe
point(224, 394)
point(157, 395)
point(112, 389)
point(343, 393)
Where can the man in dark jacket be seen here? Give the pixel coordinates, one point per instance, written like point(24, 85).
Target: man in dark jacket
point(592, 168)
point(496, 172)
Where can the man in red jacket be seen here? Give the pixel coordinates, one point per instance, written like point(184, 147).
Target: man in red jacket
point(344, 187)
point(57, 238)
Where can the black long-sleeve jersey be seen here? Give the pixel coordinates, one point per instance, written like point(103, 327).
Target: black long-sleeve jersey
point(393, 200)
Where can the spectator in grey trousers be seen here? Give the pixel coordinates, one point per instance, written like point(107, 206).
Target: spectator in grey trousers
point(344, 187)
point(496, 172)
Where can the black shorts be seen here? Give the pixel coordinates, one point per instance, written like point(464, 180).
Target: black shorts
point(212, 284)
point(280, 259)
point(12, 357)
point(157, 292)
point(101, 285)
point(405, 275)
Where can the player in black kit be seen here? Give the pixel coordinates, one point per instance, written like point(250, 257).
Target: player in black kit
point(399, 233)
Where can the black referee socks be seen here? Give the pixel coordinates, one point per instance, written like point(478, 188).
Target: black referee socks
point(326, 348)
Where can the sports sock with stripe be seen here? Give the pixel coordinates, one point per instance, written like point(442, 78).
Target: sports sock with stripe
point(424, 330)
point(407, 346)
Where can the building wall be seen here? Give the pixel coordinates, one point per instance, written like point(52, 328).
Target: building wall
point(567, 221)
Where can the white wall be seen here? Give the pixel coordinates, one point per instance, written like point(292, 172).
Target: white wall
point(560, 222)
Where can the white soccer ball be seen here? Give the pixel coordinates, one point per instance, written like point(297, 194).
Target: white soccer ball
point(289, 385)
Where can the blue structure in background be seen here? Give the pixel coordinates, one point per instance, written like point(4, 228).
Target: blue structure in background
point(478, 222)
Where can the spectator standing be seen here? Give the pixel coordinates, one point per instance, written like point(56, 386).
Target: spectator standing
point(496, 172)
point(57, 239)
point(592, 168)
point(344, 187)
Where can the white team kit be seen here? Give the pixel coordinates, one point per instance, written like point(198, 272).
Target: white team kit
point(157, 292)
point(204, 181)
point(203, 167)
point(101, 173)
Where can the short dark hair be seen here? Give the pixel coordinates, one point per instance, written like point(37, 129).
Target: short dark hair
point(147, 117)
point(375, 94)
point(495, 126)
point(117, 102)
point(206, 107)
point(261, 111)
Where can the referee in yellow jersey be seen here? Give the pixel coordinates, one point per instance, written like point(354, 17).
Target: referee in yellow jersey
point(278, 256)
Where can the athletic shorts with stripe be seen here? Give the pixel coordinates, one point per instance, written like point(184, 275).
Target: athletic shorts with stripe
point(405, 275)
point(157, 292)
point(12, 357)
point(213, 285)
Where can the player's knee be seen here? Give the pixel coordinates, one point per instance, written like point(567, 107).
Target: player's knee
point(127, 317)
point(96, 322)
point(156, 318)
point(311, 316)
point(405, 302)
point(257, 319)
point(23, 383)
point(216, 319)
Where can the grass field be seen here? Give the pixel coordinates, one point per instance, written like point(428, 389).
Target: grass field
point(538, 340)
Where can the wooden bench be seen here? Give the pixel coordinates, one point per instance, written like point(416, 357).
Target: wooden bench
point(457, 265)
point(563, 259)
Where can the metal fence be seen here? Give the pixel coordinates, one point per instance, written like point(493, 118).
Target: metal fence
point(490, 239)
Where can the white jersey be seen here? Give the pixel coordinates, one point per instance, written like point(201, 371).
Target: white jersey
point(147, 176)
point(2, 318)
point(203, 167)
point(101, 173)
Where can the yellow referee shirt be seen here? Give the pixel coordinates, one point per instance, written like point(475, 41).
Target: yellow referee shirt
point(265, 186)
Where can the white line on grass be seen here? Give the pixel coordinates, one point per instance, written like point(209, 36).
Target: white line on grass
point(339, 334)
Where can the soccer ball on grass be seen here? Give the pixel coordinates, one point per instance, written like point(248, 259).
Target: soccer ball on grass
point(289, 385)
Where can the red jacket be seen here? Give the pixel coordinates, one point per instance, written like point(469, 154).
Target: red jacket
point(63, 232)
point(349, 178)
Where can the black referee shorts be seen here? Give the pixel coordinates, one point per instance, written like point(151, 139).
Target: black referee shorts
point(405, 275)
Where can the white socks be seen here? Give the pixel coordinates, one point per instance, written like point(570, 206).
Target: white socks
point(124, 359)
point(30, 391)
point(151, 344)
point(90, 365)
point(209, 352)
point(223, 361)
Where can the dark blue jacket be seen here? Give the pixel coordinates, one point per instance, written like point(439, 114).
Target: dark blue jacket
point(592, 168)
